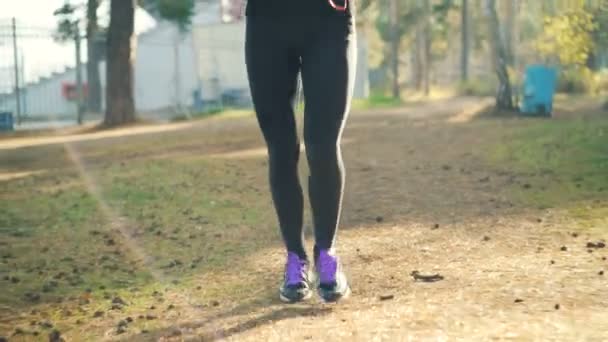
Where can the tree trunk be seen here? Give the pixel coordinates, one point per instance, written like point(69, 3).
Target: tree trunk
point(508, 30)
point(395, 40)
point(504, 98)
point(120, 104)
point(465, 46)
point(417, 58)
point(93, 77)
point(427, 40)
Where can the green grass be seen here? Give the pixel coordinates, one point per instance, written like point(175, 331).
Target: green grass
point(192, 216)
point(376, 100)
point(558, 163)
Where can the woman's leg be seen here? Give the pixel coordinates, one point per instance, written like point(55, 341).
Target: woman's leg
point(328, 72)
point(272, 69)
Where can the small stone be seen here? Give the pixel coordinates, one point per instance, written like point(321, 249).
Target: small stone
point(98, 314)
point(574, 235)
point(55, 336)
point(599, 244)
point(15, 280)
point(199, 287)
point(170, 307)
point(46, 324)
point(49, 286)
point(486, 238)
point(552, 262)
point(129, 319)
point(435, 226)
point(601, 273)
point(122, 323)
point(387, 297)
point(145, 331)
point(527, 186)
point(518, 300)
point(379, 219)
point(557, 306)
point(215, 303)
point(118, 300)
point(150, 317)
point(564, 248)
point(32, 297)
point(175, 332)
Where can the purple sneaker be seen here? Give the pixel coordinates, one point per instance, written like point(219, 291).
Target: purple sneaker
point(333, 284)
point(296, 285)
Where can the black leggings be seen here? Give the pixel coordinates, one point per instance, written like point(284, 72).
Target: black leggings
point(323, 49)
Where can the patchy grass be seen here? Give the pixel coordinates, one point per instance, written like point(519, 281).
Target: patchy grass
point(376, 100)
point(564, 163)
point(126, 218)
point(173, 229)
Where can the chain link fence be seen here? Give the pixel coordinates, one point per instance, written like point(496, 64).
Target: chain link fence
point(37, 76)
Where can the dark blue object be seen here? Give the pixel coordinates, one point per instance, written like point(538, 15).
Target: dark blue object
point(6, 121)
point(539, 88)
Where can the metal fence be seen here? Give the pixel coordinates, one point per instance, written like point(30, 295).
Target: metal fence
point(37, 75)
point(174, 74)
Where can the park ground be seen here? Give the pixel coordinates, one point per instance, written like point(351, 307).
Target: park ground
point(167, 232)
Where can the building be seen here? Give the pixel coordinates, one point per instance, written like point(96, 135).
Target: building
point(175, 72)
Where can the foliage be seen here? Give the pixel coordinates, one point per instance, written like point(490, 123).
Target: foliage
point(568, 158)
point(67, 26)
point(568, 37)
point(579, 80)
point(478, 87)
point(179, 12)
point(600, 34)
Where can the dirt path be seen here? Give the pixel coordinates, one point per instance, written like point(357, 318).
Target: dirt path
point(420, 197)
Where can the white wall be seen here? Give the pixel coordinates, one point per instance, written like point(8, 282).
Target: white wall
point(44, 99)
point(161, 80)
point(221, 55)
point(157, 88)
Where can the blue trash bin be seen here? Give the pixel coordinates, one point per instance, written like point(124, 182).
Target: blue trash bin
point(538, 90)
point(6, 121)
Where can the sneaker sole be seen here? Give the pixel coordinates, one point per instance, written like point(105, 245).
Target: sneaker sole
point(337, 298)
point(291, 301)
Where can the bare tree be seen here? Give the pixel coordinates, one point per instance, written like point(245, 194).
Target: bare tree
point(395, 43)
point(94, 56)
point(465, 46)
point(427, 41)
point(120, 104)
point(504, 98)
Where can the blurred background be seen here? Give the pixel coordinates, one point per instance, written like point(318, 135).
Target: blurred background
point(134, 200)
point(188, 56)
